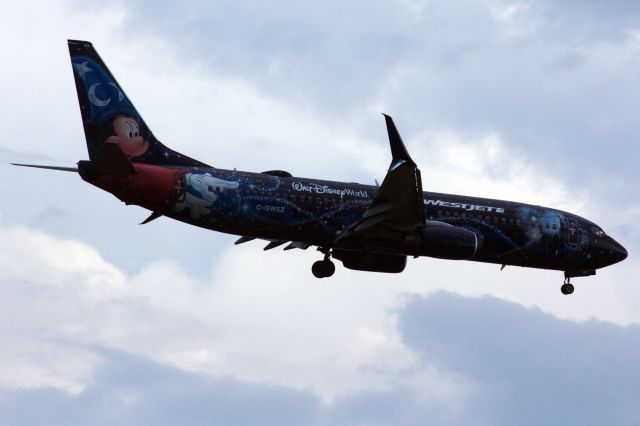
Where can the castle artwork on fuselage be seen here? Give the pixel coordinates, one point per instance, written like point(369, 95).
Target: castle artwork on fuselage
point(203, 190)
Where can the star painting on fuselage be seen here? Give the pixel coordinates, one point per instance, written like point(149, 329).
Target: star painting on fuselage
point(366, 227)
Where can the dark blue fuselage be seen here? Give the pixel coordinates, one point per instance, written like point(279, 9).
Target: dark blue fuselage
point(312, 211)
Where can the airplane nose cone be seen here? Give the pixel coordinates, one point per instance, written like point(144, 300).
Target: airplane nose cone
point(607, 252)
point(618, 252)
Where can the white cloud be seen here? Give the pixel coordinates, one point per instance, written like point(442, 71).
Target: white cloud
point(284, 330)
point(480, 94)
point(42, 115)
point(335, 337)
point(470, 368)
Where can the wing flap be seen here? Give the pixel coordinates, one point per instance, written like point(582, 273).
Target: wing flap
point(243, 240)
point(273, 244)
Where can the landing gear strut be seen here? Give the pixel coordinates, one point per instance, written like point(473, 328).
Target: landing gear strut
point(567, 287)
point(323, 268)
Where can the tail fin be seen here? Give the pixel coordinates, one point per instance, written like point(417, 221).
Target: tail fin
point(109, 116)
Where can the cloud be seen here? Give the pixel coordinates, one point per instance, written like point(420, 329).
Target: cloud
point(60, 296)
point(555, 81)
point(553, 103)
point(333, 337)
point(63, 205)
point(511, 365)
point(530, 368)
point(556, 96)
point(129, 390)
point(106, 319)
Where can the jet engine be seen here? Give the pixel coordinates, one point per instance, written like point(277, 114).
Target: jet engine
point(445, 241)
point(373, 262)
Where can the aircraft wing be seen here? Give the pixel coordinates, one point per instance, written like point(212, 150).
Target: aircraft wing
point(398, 208)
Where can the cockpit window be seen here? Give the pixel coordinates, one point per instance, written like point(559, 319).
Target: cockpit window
point(599, 232)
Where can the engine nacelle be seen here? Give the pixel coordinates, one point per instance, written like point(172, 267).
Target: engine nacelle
point(373, 262)
point(444, 241)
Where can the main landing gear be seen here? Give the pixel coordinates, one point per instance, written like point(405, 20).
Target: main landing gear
point(567, 287)
point(323, 268)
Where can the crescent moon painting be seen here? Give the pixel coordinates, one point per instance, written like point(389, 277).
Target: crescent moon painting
point(120, 94)
point(95, 99)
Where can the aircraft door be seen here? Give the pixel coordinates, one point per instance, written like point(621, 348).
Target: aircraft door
point(572, 232)
point(179, 191)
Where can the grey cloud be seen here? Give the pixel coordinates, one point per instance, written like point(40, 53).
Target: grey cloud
point(129, 390)
point(453, 65)
point(534, 368)
point(308, 52)
point(65, 206)
point(523, 366)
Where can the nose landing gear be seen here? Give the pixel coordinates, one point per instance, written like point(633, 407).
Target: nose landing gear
point(566, 288)
point(323, 268)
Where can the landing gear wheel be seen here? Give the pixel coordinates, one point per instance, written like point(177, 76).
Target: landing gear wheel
point(567, 288)
point(316, 269)
point(328, 268)
point(323, 268)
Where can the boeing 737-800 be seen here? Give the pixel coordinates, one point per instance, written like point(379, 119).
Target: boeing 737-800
point(366, 227)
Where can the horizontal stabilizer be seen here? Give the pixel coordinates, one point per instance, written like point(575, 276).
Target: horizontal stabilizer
point(62, 169)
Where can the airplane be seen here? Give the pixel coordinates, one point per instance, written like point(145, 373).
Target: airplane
point(366, 227)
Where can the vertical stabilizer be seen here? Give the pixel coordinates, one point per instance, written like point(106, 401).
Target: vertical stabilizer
point(109, 117)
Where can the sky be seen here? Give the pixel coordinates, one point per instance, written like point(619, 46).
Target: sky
point(104, 321)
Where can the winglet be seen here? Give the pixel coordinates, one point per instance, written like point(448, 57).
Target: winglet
point(398, 150)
